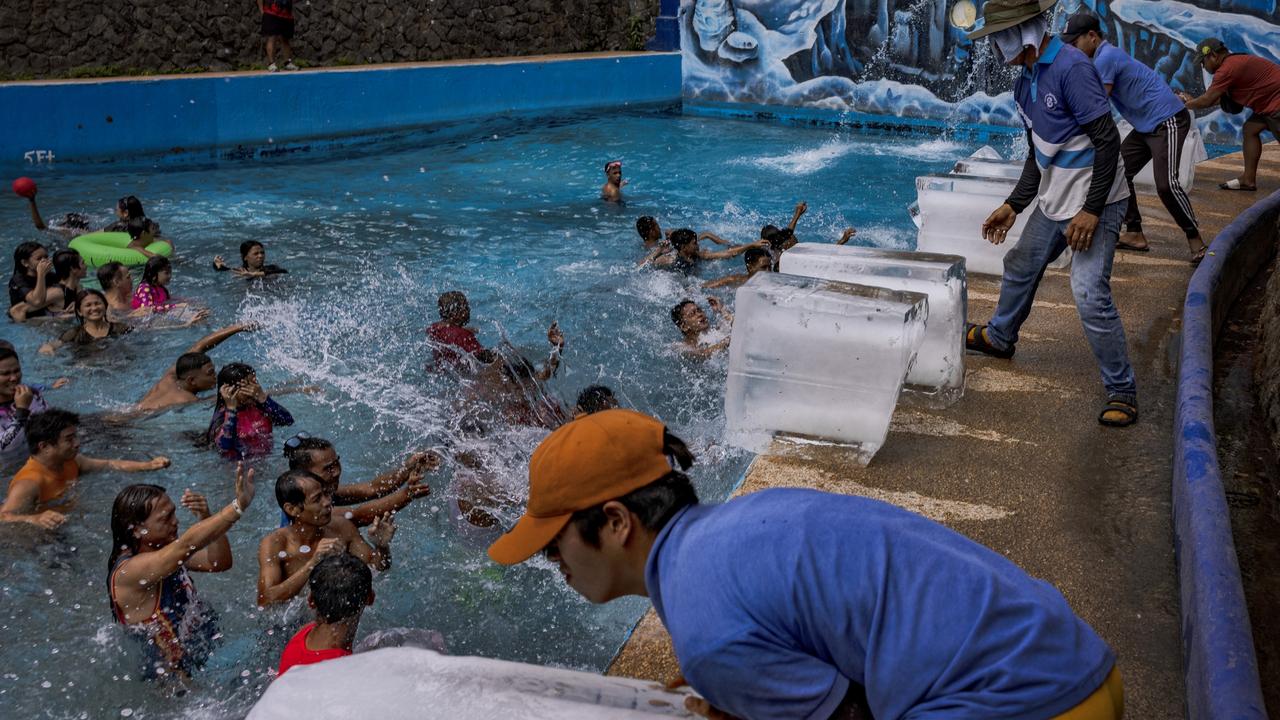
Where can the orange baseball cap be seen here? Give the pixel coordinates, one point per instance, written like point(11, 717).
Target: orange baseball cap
point(594, 459)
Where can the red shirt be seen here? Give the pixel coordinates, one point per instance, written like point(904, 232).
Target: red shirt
point(444, 334)
point(296, 652)
point(1251, 81)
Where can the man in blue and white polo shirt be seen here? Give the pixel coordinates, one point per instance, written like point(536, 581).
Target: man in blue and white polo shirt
point(1075, 178)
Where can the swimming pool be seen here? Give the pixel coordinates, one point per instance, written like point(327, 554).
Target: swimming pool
point(504, 210)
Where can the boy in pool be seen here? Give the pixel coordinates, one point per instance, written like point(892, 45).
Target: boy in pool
point(757, 260)
point(341, 588)
point(692, 322)
point(688, 253)
point(451, 335)
point(287, 556)
point(387, 493)
point(193, 372)
point(612, 190)
point(54, 466)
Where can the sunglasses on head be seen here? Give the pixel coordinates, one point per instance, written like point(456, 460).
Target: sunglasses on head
point(293, 442)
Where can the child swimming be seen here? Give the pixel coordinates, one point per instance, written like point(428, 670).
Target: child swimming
point(244, 415)
point(153, 291)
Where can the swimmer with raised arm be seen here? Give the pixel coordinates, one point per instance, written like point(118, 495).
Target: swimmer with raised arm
point(688, 253)
point(286, 556)
point(386, 493)
point(612, 189)
point(692, 322)
point(192, 374)
point(253, 262)
point(757, 260)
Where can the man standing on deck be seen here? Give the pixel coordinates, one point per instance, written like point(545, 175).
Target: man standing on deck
point(1160, 126)
point(1075, 178)
point(1245, 81)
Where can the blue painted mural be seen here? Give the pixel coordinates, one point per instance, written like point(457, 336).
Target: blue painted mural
point(904, 57)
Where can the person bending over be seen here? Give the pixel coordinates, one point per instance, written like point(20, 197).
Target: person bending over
point(756, 259)
point(244, 415)
point(794, 603)
point(149, 579)
point(386, 493)
point(253, 262)
point(53, 438)
point(693, 323)
point(287, 556)
point(192, 374)
point(341, 588)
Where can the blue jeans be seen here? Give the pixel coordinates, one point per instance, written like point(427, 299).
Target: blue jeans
point(1042, 241)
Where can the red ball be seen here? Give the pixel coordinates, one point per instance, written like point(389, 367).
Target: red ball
point(25, 186)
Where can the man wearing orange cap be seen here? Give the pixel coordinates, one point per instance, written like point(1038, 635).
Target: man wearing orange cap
point(793, 603)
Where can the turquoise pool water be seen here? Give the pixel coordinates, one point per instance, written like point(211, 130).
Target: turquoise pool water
point(503, 210)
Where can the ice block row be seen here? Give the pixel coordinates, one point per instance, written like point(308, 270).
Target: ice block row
point(821, 351)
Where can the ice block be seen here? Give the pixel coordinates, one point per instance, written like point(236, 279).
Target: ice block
point(818, 361)
point(937, 377)
point(952, 210)
point(1193, 151)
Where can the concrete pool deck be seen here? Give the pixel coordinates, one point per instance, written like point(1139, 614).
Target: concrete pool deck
point(1021, 464)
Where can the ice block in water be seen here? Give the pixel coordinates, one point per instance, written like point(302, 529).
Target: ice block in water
point(937, 377)
point(820, 361)
point(952, 210)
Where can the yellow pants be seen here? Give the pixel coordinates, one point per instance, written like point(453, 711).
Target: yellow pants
point(1106, 703)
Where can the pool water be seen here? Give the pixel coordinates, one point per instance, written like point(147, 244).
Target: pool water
point(507, 212)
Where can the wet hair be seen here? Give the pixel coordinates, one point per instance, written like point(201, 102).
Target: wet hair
point(137, 226)
point(75, 221)
point(86, 293)
point(245, 247)
point(682, 237)
point(299, 456)
point(6, 345)
point(753, 254)
point(340, 584)
point(655, 503)
point(189, 363)
point(645, 225)
point(156, 264)
point(230, 374)
point(780, 238)
point(131, 508)
point(131, 206)
point(768, 231)
point(596, 398)
point(678, 311)
point(64, 261)
point(45, 427)
point(449, 303)
point(107, 274)
point(23, 253)
point(517, 368)
point(7, 351)
point(289, 487)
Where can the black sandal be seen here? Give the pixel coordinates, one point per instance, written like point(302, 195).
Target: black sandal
point(975, 338)
point(1124, 406)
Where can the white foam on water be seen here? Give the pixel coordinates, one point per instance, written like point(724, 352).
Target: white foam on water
point(806, 161)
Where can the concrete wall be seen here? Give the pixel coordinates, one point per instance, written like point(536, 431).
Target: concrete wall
point(1267, 368)
point(204, 116)
point(61, 38)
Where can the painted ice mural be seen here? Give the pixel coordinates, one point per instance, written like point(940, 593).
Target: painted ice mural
point(903, 58)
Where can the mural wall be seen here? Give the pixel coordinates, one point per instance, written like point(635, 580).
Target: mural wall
point(904, 57)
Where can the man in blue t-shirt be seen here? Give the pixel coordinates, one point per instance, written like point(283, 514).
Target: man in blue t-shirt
point(1160, 123)
point(1075, 178)
point(801, 604)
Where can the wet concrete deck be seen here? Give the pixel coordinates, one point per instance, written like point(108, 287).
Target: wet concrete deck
point(1021, 464)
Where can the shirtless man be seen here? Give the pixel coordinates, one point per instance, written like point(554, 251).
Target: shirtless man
point(688, 253)
point(117, 285)
point(692, 322)
point(387, 493)
point(193, 373)
point(287, 555)
point(612, 190)
point(757, 260)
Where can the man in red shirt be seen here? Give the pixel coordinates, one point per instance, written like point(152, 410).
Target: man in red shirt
point(452, 332)
point(1241, 81)
point(341, 588)
point(277, 28)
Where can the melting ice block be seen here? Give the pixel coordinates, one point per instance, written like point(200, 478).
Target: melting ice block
point(416, 684)
point(937, 377)
point(952, 210)
point(818, 361)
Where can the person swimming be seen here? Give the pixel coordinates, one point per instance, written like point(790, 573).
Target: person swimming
point(253, 262)
point(29, 285)
point(193, 372)
point(128, 209)
point(757, 260)
point(142, 233)
point(243, 415)
point(612, 189)
point(94, 325)
point(692, 322)
point(153, 291)
point(688, 253)
point(117, 285)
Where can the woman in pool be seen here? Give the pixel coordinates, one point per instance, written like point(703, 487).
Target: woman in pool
point(253, 262)
point(70, 269)
point(153, 291)
point(130, 208)
point(29, 285)
point(243, 414)
point(18, 402)
point(150, 589)
point(91, 311)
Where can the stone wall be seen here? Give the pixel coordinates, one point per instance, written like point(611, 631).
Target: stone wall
point(1267, 367)
point(82, 38)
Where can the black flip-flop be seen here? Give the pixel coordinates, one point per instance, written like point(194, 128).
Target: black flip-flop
point(1124, 407)
point(975, 338)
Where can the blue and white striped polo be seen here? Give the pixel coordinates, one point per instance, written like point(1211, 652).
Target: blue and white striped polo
point(1056, 97)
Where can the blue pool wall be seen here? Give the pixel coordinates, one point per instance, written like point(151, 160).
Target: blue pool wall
point(198, 116)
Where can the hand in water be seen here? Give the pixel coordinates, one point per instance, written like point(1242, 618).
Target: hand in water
point(554, 336)
point(196, 503)
point(61, 383)
point(416, 488)
point(245, 489)
point(423, 462)
point(158, 462)
point(49, 520)
point(219, 263)
point(382, 530)
point(23, 396)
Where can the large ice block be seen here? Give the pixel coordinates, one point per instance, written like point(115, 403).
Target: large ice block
point(1004, 169)
point(952, 210)
point(818, 361)
point(1193, 151)
point(416, 684)
point(937, 376)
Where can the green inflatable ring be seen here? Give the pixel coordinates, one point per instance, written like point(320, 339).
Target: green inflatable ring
point(100, 248)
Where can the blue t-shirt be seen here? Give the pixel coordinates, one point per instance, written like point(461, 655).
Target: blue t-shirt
point(1056, 97)
point(1142, 97)
point(777, 600)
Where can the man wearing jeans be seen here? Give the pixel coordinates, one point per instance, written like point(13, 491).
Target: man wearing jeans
point(1075, 178)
